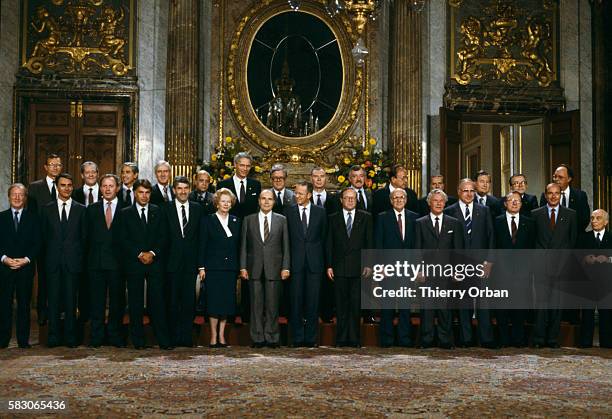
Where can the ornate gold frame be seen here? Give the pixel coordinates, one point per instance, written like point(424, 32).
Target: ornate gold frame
point(296, 149)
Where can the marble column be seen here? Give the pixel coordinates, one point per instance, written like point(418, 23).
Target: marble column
point(152, 46)
point(9, 51)
point(405, 90)
point(182, 100)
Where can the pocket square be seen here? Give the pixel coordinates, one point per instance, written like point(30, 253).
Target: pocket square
point(449, 231)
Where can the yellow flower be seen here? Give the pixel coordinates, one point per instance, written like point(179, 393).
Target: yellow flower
point(226, 177)
point(372, 141)
point(347, 160)
point(258, 169)
point(371, 173)
point(228, 139)
point(330, 170)
point(228, 164)
point(341, 178)
point(374, 186)
point(366, 153)
point(213, 157)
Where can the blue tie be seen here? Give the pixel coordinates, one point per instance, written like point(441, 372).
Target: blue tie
point(349, 224)
point(468, 221)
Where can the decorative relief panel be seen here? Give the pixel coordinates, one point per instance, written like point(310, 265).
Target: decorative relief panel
point(78, 37)
point(503, 54)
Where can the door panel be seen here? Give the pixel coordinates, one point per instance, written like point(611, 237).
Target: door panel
point(562, 138)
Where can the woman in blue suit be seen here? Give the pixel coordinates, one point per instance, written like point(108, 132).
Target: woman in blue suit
point(219, 249)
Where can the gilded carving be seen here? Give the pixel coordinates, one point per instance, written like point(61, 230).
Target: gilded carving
point(506, 45)
point(80, 37)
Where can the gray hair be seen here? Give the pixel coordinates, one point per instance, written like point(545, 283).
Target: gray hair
point(17, 185)
point(278, 168)
point(88, 163)
point(162, 163)
point(242, 155)
point(202, 172)
point(436, 192)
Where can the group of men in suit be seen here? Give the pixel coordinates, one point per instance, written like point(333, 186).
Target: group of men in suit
point(123, 231)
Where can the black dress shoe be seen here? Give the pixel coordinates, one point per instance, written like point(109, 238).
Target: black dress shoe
point(139, 347)
point(273, 345)
point(538, 345)
point(258, 344)
point(406, 345)
point(166, 347)
point(296, 345)
point(446, 346)
point(490, 345)
point(94, 345)
point(213, 345)
point(385, 345)
point(222, 345)
point(585, 346)
point(310, 345)
point(554, 345)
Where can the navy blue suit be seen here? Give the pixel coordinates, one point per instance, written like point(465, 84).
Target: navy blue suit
point(481, 237)
point(577, 201)
point(387, 236)
point(25, 242)
point(307, 266)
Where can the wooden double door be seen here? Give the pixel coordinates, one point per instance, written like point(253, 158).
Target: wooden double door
point(76, 131)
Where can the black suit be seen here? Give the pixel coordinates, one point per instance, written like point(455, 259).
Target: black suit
point(548, 321)
point(126, 199)
point(495, 205)
point(39, 195)
point(205, 199)
point(103, 266)
point(524, 239)
point(449, 237)
point(383, 203)
point(529, 203)
point(344, 257)
point(368, 203)
point(250, 205)
point(20, 243)
point(587, 240)
point(307, 266)
point(182, 269)
point(82, 197)
point(577, 201)
point(157, 198)
point(387, 236)
point(327, 301)
point(138, 237)
point(481, 237)
point(64, 257)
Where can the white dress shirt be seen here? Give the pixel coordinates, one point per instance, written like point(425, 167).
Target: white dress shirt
point(139, 209)
point(94, 190)
point(346, 213)
point(224, 223)
point(463, 206)
point(237, 181)
point(433, 219)
point(600, 232)
point(567, 196)
point(403, 213)
point(50, 183)
point(509, 221)
point(261, 223)
point(60, 207)
point(124, 190)
point(301, 208)
point(179, 212)
point(363, 195)
point(322, 194)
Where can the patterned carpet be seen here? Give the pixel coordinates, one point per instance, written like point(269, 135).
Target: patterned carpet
point(369, 382)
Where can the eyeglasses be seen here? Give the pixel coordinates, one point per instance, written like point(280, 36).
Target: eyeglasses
point(276, 178)
point(399, 198)
point(55, 165)
point(516, 183)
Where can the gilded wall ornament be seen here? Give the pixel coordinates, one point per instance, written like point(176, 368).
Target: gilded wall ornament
point(506, 44)
point(78, 37)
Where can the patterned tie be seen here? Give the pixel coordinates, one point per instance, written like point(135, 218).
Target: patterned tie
point(437, 226)
point(108, 215)
point(319, 203)
point(514, 229)
point(481, 200)
point(128, 197)
point(400, 225)
point(304, 220)
point(16, 221)
point(553, 221)
point(143, 217)
point(166, 193)
point(53, 192)
point(563, 201)
point(184, 218)
point(349, 224)
point(90, 198)
point(242, 192)
point(468, 221)
point(266, 229)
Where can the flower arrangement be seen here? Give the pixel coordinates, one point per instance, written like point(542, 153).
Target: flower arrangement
point(376, 163)
point(221, 164)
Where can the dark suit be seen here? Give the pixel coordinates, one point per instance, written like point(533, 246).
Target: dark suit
point(20, 243)
point(383, 203)
point(307, 266)
point(157, 198)
point(587, 240)
point(39, 195)
point(264, 262)
point(529, 203)
point(287, 198)
point(137, 237)
point(368, 205)
point(577, 201)
point(64, 257)
point(123, 196)
point(481, 237)
point(251, 202)
point(327, 301)
point(387, 236)
point(82, 197)
point(103, 266)
point(495, 205)
point(344, 257)
point(450, 237)
point(182, 269)
point(205, 199)
point(548, 321)
point(525, 235)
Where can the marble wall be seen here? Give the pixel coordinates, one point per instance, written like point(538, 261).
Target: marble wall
point(9, 51)
point(151, 67)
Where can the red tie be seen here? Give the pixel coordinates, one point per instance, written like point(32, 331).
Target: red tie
point(552, 219)
point(400, 226)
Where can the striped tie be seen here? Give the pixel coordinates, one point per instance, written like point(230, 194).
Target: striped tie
point(468, 221)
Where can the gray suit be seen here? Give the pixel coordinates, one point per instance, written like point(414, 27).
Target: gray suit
point(264, 261)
